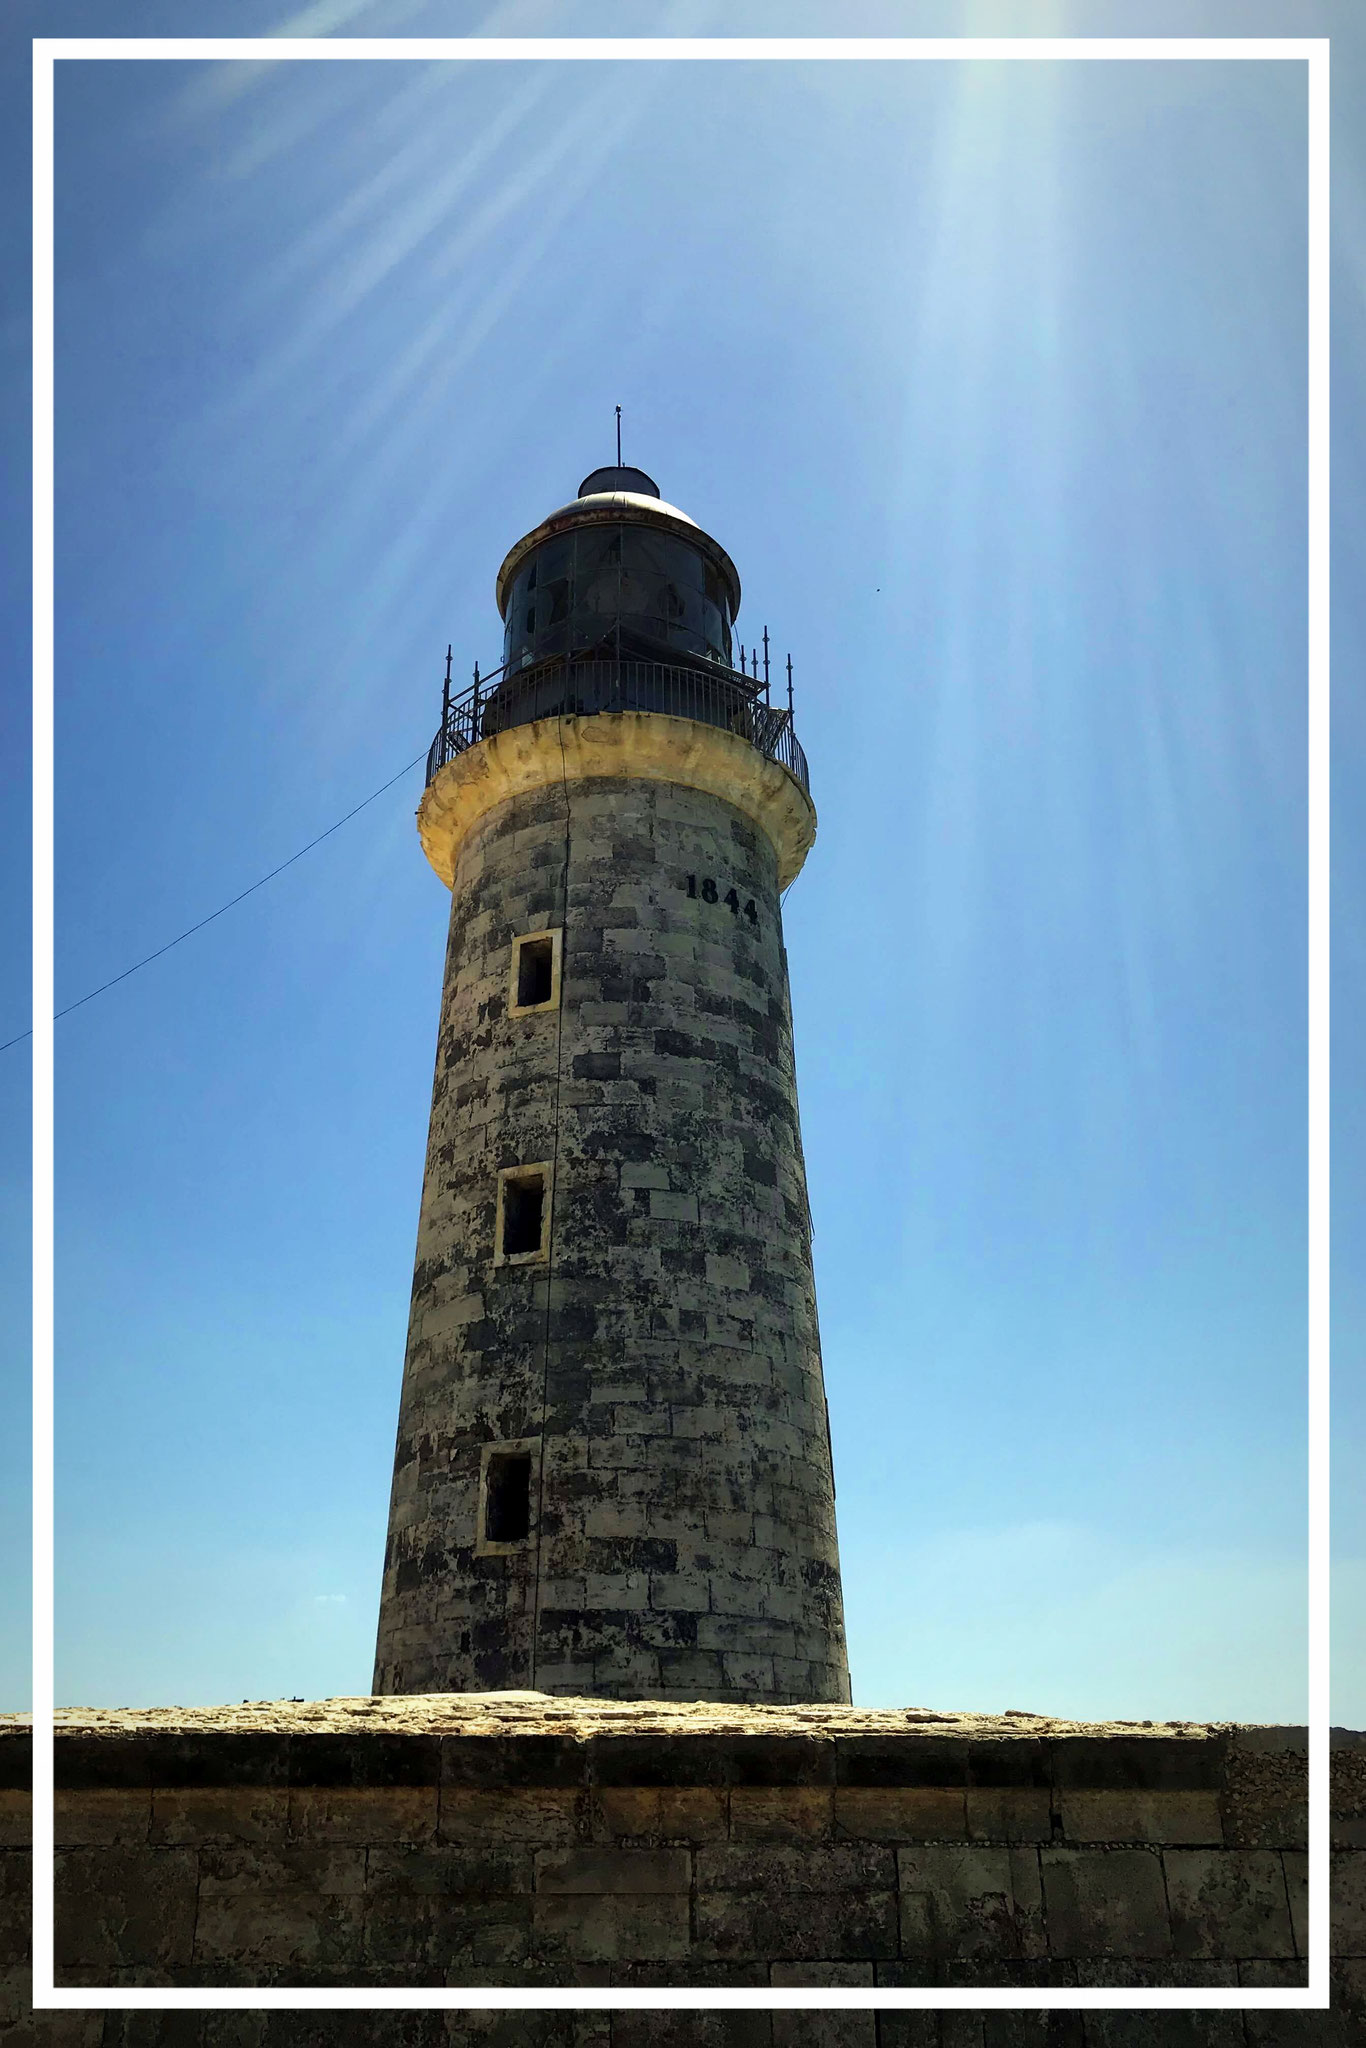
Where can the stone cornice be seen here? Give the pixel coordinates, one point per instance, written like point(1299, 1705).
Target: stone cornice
point(646, 744)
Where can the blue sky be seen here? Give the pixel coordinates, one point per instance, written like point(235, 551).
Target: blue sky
point(991, 380)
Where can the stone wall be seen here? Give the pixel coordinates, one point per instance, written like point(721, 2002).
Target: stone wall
point(459, 1841)
point(659, 1360)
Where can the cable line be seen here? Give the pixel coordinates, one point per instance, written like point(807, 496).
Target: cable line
point(192, 929)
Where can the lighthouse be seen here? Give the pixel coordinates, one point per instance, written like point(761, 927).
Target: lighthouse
point(613, 1473)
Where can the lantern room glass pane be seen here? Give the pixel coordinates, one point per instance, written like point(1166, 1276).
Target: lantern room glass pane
point(587, 592)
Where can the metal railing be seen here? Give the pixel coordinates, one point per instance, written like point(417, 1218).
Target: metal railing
point(567, 688)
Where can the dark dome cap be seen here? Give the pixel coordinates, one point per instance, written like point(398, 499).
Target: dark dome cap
point(619, 480)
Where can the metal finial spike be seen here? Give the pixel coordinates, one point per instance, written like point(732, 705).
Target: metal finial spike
point(765, 657)
point(618, 437)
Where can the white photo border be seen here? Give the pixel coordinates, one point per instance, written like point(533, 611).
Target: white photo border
point(1313, 52)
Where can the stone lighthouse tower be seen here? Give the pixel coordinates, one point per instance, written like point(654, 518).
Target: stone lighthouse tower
point(613, 1469)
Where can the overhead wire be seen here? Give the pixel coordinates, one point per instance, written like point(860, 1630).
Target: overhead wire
point(241, 897)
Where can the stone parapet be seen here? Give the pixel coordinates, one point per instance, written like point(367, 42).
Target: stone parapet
point(515, 1840)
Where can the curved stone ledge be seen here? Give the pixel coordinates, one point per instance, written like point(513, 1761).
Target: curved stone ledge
point(646, 744)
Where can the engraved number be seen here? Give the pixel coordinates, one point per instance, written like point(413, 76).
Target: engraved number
point(709, 892)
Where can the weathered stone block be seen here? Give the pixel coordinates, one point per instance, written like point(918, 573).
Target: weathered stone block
point(1034, 1973)
point(683, 1813)
point(684, 2028)
point(1009, 1813)
point(16, 1887)
point(778, 1868)
point(1273, 2029)
point(747, 1677)
point(845, 1975)
point(970, 1901)
point(280, 1866)
point(902, 2028)
point(89, 1816)
point(1145, 1974)
point(210, 1813)
point(730, 1524)
point(700, 1670)
point(729, 1976)
point(1295, 1864)
point(1346, 1789)
point(1137, 1815)
point(435, 1867)
point(392, 1813)
point(1165, 2029)
point(598, 1869)
point(433, 1930)
point(601, 1926)
point(1283, 1975)
point(645, 1173)
point(29, 2029)
point(1105, 1902)
point(680, 1592)
point(900, 1813)
point(848, 2029)
point(694, 1420)
point(848, 1925)
point(1348, 1912)
point(125, 1906)
point(275, 1928)
point(781, 1813)
point(1230, 1902)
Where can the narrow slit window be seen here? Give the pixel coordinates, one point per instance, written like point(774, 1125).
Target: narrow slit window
point(535, 966)
point(535, 981)
point(507, 1497)
point(523, 1203)
point(523, 1213)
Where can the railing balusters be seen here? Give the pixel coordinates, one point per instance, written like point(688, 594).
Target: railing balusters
point(732, 702)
